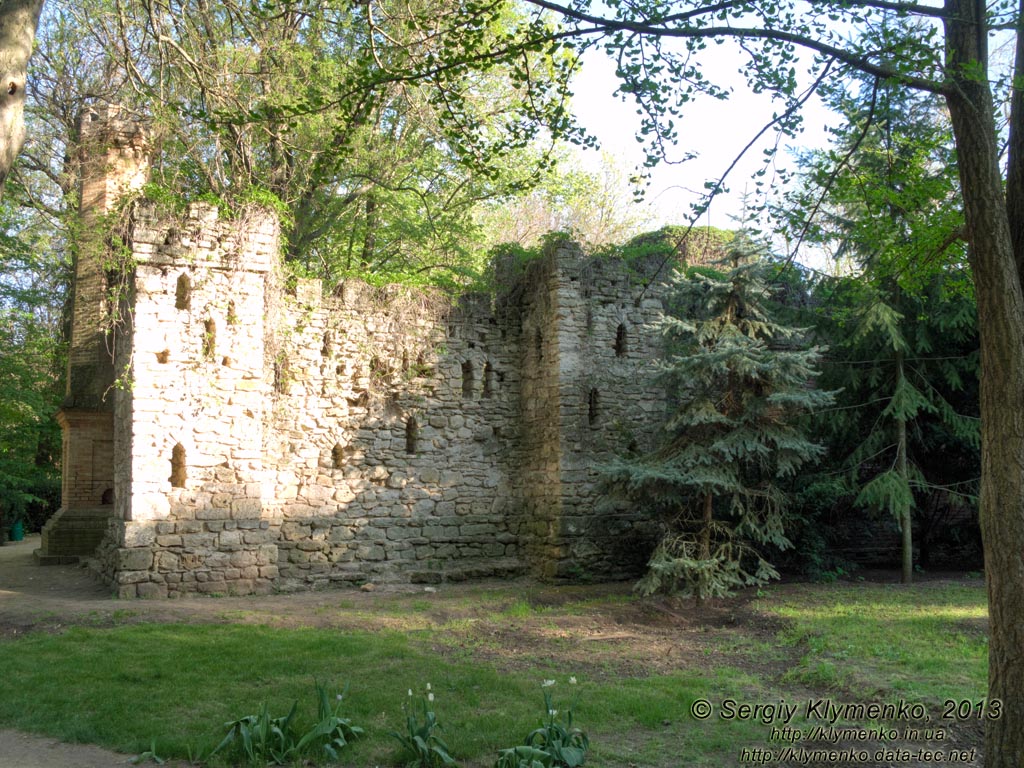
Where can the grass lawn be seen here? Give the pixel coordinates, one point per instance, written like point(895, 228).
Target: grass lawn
point(485, 651)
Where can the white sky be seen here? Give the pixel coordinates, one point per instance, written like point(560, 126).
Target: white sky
point(717, 130)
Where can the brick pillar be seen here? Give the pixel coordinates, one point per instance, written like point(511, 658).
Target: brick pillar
point(114, 163)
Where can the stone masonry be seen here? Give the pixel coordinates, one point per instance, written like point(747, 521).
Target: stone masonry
point(264, 436)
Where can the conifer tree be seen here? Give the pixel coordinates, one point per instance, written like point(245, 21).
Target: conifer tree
point(906, 421)
point(740, 382)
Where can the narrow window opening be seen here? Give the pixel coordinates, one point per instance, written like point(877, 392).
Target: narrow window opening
point(488, 380)
point(328, 348)
point(209, 337)
point(232, 313)
point(378, 370)
point(467, 379)
point(338, 456)
point(412, 434)
point(620, 340)
point(282, 375)
point(592, 407)
point(183, 292)
point(178, 473)
point(538, 345)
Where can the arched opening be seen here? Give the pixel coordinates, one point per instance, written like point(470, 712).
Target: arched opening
point(412, 436)
point(620, 340)
point(183, 292)
point(592, 407)
point(178, 473)
point(467, 379)
point(209, 337)
point(488, 380)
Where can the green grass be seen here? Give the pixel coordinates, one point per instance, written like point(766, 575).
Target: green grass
point(925, 643)
point(124, 686)
point(177, 684)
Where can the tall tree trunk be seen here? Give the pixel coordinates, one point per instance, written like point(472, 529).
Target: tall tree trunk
point(906, 530)
point(705, 539)
point(18, 22)
point(1001, 324)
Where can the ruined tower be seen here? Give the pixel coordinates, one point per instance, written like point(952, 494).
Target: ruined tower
point(114, 162)
point(227, 431)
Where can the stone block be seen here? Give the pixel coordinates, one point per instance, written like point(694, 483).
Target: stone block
point(151, 590)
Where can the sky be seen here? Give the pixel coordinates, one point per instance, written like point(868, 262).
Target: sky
point(717, 130)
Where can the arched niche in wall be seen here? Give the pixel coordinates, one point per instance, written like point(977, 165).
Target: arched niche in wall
point(412, 436)
point(621, 340)
point(183, 292)
point(179, 472)
point(489, 379)
point(593, 406)
point(209, 337)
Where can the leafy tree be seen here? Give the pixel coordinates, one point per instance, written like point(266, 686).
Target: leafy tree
point(30, 378)
point(883, 198)
point(595, 207)
point(312, 102)
point(658, 46)
point(740, 383)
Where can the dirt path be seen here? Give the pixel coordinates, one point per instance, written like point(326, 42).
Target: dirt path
point(20, 750)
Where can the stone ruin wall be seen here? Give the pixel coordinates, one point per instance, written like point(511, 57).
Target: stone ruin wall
point(278, 439)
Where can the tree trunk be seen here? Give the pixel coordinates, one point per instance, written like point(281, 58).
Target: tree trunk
point(1001, 325)
point(705, 540)
point(18, 22)
point(906, 530)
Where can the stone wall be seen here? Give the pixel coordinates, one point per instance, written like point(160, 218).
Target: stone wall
point(274, 438)
point(265, 436)
point(585, 354)
point(190, 417)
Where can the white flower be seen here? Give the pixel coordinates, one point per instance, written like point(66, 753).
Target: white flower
point(410, 692)
point(547, 683)
point(430, 697)
point(552, 712)
point(572, 681)
point(338, 697)
point(428, 686)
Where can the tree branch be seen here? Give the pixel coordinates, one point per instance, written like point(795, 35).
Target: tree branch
point(658, 29)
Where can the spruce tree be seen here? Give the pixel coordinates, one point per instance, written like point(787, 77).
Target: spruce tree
point(739, 382)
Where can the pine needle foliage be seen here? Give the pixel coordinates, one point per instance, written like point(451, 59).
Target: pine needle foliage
point(740, 383)
point(906, 432)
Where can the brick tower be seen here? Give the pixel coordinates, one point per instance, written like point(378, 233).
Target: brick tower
point(114, 162)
